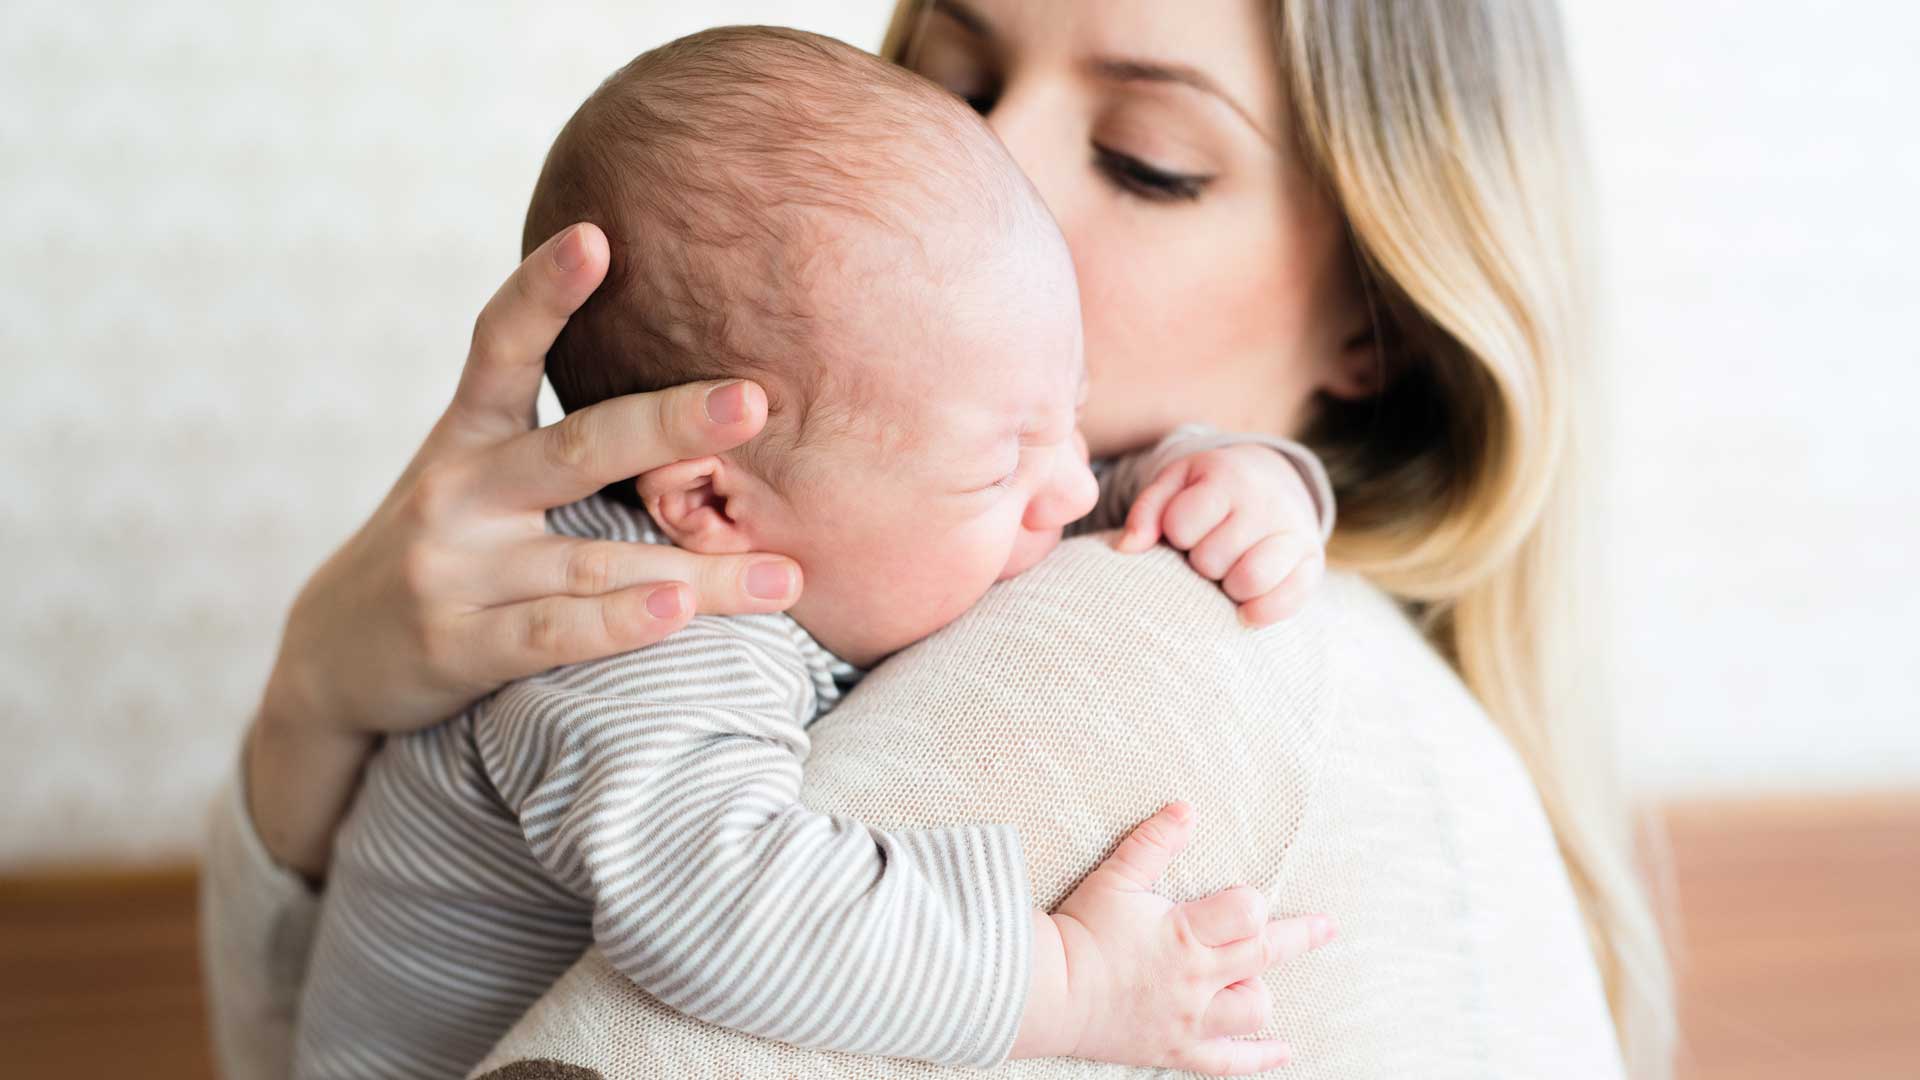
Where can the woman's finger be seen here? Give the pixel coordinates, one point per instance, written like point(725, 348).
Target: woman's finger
point(620, 438)
point(518, 640)
point(1240, 1009)
point(1150, 848)
point(563, 565)
point(1227, 916)
point(501, 382)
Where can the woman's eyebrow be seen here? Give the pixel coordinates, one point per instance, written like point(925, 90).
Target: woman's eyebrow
point(1130, 69)
point(970, 20)
point(1112, 68)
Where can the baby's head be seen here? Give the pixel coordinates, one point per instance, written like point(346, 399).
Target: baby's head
point(786, 208)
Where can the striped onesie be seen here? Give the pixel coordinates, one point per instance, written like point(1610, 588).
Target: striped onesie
point(649, 802)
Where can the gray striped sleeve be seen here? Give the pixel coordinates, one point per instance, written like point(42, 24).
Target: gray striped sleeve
point(663, 787)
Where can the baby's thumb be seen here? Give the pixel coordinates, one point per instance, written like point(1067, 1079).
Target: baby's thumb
point(1150, 848)
point(1142, 529)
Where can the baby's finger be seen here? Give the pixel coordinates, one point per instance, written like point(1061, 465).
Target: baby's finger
point(1282, 940)
point(1234, 1057)
point(1266, 564)
point(1289, 597)
point(1149, 849)
point(1290, 939)
point(1219, 550)
point(1142, 529)
point(1227, 916)
point(1194, 512)
point(1240, 1009)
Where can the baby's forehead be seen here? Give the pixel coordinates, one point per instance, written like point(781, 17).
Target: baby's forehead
point(926, 365)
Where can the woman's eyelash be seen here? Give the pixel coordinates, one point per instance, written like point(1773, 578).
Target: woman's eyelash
point(1006, 481)
point(1124, 171)
point(1136, 177)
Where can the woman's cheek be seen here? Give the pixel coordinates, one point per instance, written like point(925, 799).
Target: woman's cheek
point(1121, 321)
point(1147, 322)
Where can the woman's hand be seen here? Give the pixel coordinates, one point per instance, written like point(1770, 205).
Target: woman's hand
point(454, 586)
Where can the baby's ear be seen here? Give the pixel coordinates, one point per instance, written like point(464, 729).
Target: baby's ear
point(689, 501)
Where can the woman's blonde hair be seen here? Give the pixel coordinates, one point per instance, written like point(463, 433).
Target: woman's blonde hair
point(1446, 134)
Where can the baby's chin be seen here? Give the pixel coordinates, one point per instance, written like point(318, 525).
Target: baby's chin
point(1028, 551)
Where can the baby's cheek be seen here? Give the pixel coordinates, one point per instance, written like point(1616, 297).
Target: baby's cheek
point(943, 572)
point(1027, 552)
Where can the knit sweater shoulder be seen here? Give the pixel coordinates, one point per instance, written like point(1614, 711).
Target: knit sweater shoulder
point(1335, 761)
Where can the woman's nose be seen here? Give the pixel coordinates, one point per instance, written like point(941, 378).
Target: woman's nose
point(1030, 126)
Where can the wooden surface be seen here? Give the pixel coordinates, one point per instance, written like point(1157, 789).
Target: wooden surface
point(99, 977)
point(1800, 952)
point(1799, 943)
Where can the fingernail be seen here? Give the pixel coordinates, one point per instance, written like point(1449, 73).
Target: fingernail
point(570, 252)
point(1181, 811)
point(664, 603)
point(769, 580)
point(1323, 930)
point(728, 405)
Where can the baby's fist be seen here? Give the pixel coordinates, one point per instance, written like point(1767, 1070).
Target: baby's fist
point(1246, 519)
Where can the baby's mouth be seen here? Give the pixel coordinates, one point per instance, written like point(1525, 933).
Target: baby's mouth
point(1028, 552)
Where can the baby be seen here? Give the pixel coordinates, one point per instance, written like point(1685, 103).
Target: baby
point(785, 208)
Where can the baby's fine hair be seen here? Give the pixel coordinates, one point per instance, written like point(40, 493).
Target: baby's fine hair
point(724, 168)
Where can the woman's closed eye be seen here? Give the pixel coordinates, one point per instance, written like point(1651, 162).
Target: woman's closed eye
point(1131, 175)
point(1151, 182)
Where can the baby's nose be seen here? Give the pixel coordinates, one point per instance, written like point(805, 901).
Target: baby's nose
point(1066, 499)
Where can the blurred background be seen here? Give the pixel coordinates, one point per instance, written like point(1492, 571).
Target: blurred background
point(242, 245)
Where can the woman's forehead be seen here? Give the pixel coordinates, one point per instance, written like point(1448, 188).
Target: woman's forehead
point(1223, 47)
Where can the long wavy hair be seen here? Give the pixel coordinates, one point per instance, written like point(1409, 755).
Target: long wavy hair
point(1446, 133)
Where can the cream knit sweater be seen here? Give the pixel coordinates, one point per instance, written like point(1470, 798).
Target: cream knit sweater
point(1334, 761)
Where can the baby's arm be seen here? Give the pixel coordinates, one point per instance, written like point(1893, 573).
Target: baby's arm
point(678, 818)
point(1252, 513)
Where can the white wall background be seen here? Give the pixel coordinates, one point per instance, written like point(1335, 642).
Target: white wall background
point(1759, 167)
point(241, 247)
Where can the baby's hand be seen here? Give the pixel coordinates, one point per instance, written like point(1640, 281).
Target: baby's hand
point(1122, 974)
point(1245, 518)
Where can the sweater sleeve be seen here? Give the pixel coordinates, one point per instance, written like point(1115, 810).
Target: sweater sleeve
point(1122, 479)
point(664, 788)
point(256, 930)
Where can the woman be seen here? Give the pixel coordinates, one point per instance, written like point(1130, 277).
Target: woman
point(1354, 223)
